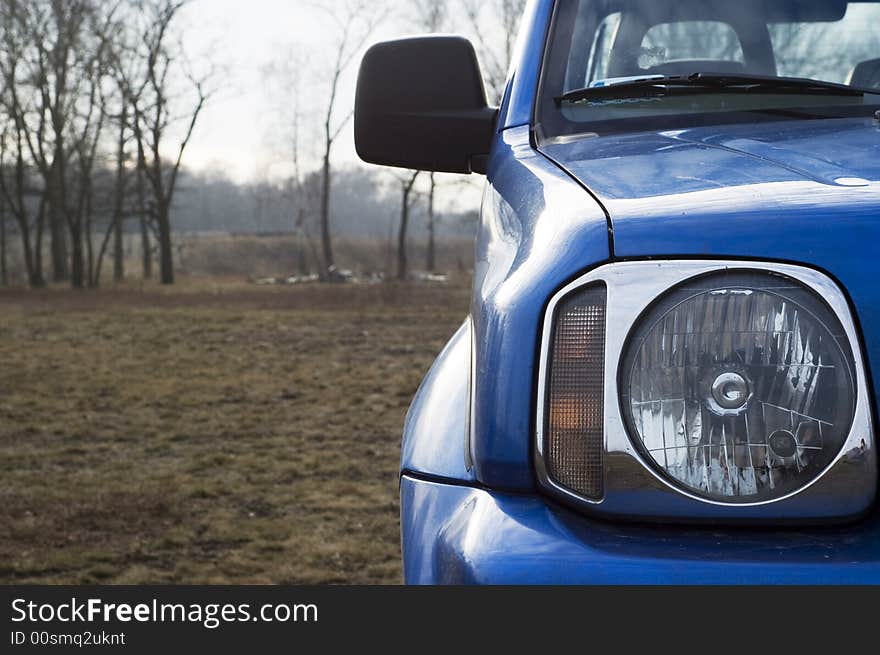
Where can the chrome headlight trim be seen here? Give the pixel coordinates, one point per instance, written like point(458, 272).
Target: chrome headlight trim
point(633, 487)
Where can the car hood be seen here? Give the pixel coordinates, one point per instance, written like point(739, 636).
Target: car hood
point(804, 192)
point(668, 190)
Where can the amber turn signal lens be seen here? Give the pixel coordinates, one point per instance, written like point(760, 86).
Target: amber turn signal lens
point(574, 434)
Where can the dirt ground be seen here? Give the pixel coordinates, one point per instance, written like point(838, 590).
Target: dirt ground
point(213, 433)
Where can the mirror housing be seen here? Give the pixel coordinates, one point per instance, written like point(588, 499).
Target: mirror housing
point(421, 104)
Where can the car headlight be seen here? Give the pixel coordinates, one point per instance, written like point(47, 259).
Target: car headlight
point(739, 387)
point(705, 391)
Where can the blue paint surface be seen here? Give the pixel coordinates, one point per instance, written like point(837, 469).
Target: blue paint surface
point(436, 427)
point(516, 110)
point(460, 535)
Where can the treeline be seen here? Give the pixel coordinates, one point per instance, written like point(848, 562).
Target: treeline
point(350, 24)
point(98, 103)
point(91, 93)
point(365, 205)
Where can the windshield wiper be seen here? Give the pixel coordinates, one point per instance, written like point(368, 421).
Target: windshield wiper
point(654, 86)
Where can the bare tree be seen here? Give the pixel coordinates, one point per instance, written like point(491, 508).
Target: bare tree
point(13, 193)
point(80, 219)
point(145, 213)
point(153, 116)
point(431, 257)
point(407, 183)
point(68, 50)
point(120, 188)
point(121, 67)
point(54, 71)
point(430, 15)
point(285, 76)
point(88, 129)
point(4, 268)
point(127, 60)
point(131, 61)
point(353, 22)
point(118, 211)
point(494, 25)
point(52, 32)
point(15, 178)
point(4, 271)
point(43, 37)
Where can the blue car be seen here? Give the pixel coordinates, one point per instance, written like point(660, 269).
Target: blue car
point(666, 374)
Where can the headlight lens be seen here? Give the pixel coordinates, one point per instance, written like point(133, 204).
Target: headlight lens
point(739, 386)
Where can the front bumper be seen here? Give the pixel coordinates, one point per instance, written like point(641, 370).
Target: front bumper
point(462, 535)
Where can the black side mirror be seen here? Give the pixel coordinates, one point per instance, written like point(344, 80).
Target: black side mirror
point(421, 104)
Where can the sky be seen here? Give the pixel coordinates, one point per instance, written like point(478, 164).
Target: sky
point(237, 133)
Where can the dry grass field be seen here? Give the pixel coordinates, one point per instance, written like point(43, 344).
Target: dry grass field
point(212, 433)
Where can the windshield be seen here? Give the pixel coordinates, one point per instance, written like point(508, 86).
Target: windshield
point(625, 64)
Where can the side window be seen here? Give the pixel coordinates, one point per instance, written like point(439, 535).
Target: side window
point(600, 53)
point(690, 40)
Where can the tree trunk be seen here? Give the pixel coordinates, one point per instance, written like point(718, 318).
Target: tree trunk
point(4, 271)
point(431, 262)
point(57, 232)
point(22, 215)
point(118, 251)
point(389, 248)
point(77, 270)
point(38, 279)
point(146, 250)
point(166, 250)
point(119, 202)
point(404, 223)
point(146, 246)
point(326, 236)
point(92, 276)
point(28, 254)
point(75, 222)
point(401, 239)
